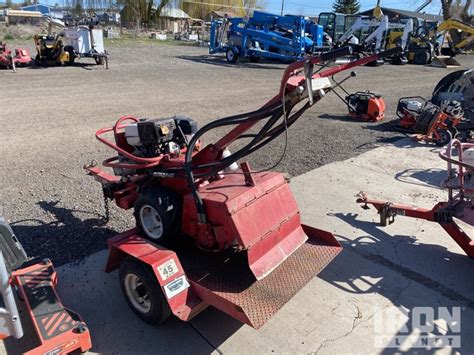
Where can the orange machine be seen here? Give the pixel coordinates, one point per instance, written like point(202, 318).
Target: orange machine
point(366, 106)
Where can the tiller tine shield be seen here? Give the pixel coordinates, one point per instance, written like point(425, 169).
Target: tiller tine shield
point(271, 251)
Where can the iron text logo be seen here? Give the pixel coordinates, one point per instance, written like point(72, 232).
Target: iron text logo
point(419, 327)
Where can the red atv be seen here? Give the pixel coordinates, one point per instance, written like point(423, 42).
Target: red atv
point(9, 59)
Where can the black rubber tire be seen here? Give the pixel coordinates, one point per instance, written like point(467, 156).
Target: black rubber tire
point(38, 60)
point(72, 56)
point(231, 56)
point(255, 59)
point(426, 119)
point(422, 58)
point(169, 207)
point(160, 310)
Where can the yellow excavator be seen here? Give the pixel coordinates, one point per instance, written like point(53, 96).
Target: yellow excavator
point(435, 45)
point(446, 54)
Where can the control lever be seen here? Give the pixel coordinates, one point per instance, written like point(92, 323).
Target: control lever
point(308, 73)
point(353, 74)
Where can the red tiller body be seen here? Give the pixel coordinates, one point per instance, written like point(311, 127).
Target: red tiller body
point(20, 56)
point(262, 219)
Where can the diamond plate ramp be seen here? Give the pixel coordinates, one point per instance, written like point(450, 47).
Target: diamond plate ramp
point(226, 282)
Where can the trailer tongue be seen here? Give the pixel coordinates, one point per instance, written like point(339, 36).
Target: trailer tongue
point(209, 232)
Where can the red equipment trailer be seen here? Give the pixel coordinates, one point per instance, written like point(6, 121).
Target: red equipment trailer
point(209, 233)
point(460, 185)
point(57, 329)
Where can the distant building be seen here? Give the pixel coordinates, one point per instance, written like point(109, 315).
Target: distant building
point(46, 10)
point(171, 18)
point(108, 17)
point(20, 16)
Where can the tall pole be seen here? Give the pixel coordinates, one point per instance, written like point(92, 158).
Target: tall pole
point(282, 6)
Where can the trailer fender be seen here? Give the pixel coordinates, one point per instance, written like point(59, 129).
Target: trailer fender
point(166, 267)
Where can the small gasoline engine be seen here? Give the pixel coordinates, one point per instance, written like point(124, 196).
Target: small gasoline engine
point(148, 138)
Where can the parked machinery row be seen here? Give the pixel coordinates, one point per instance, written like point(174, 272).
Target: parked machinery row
point(59, 48)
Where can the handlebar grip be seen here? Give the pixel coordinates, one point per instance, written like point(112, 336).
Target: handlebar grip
point(390, 52)
point(340, 52)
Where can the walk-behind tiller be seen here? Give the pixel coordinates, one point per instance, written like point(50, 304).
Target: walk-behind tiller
point(460, 204)
point(429, 122)
point(209, 232)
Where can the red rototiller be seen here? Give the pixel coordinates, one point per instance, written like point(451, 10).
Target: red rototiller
point(208, 231)
point(12, 59)
point(460, 185)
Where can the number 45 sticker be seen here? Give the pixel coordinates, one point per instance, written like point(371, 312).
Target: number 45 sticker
point(167, 269)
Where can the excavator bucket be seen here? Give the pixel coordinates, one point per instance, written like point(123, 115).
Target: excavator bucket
point(445, 62)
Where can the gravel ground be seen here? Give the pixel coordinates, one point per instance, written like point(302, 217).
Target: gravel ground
point(49, 116)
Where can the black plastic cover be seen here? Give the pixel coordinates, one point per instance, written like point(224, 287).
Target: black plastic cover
point(187, 125)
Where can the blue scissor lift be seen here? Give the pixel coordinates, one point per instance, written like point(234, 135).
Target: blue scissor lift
point(264, 35)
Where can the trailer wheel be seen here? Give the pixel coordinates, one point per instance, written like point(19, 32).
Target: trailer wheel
point(142, 292)
point(158, 214)
point(231, 56)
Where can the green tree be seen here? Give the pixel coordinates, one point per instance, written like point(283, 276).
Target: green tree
point(346, 6)
point(78, 9)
